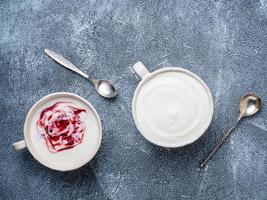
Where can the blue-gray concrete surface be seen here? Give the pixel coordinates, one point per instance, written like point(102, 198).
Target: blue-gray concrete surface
point(224, 42)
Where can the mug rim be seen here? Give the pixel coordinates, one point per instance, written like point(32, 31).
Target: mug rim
point(26, 134)
point(153, 74)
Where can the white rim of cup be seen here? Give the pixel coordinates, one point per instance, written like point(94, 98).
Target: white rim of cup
point(176, 69)
point(27, 133)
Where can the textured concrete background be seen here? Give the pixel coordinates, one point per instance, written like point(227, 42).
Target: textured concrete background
point(224, 42)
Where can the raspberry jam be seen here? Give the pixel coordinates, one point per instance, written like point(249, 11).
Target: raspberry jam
point(62, 126)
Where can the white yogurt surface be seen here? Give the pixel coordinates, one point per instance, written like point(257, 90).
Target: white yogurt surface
point(172, 107)
point(69, 158)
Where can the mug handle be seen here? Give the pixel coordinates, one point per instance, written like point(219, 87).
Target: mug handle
point(19, 145)
point(140, 70)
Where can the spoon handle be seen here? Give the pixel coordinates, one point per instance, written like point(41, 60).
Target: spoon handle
point(64, 62)
point(219, 144)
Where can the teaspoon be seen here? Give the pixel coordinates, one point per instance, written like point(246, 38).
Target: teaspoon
point(103, 87)
point(250, 103)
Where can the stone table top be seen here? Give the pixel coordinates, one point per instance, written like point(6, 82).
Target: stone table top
point(223, 42)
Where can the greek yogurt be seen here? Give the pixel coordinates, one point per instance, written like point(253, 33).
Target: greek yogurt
point(62, 126)
point(172, 107)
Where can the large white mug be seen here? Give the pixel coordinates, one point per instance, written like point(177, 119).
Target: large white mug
point(171, 107)
point(70, 158)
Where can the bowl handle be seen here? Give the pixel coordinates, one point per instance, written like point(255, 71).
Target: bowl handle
point(19, 145)
point(140, 70)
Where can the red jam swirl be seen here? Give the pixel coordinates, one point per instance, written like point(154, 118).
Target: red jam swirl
point(61, 126)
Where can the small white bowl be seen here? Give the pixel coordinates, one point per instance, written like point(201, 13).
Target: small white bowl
point(152, 127)
point(68, 159)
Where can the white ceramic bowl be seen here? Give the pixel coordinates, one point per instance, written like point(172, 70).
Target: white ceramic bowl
point(68, 159)
point(148, 124)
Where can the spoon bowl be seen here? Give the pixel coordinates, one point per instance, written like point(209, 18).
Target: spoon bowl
point(105, 88)
point(250, 103)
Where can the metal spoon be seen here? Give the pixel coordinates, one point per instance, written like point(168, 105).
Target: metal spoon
point(250, 103)
point(103, 87)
